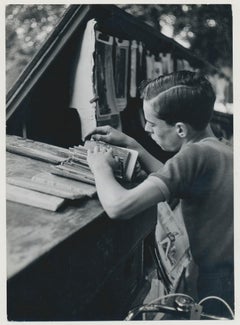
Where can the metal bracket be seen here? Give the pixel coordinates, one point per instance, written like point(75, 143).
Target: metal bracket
point(195, 312)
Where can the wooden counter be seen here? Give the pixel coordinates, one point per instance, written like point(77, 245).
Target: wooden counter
point(73, 264)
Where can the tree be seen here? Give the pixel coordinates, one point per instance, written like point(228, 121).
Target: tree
point(205, 29)
point(27, 27)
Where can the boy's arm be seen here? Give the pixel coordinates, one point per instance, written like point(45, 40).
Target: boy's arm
point(120, 203)
point(112, 136)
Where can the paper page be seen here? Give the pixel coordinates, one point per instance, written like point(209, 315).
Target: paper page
point(83, 91)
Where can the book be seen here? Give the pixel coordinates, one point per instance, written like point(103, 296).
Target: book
point(76, 167)
point(76, 172)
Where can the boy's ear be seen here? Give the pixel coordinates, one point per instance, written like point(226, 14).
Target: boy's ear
point(181, 129)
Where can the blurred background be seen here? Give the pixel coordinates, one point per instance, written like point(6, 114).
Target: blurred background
point(204, 29)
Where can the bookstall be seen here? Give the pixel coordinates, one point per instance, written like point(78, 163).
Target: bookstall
point(66, 259)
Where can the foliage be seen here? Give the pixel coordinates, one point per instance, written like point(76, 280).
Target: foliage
point(27, 27)
point(206, 29)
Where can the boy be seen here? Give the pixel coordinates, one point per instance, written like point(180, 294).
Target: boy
point(177, 109)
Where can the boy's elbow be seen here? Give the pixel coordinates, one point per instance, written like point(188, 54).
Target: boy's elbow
point(116, 211)
point(114, 215)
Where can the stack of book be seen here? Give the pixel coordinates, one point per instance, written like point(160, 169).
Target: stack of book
point(47, 190)
point(76, 167)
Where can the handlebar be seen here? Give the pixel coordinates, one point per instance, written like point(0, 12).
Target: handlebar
point(184, 307)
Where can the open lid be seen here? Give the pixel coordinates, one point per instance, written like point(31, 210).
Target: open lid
point(111, 20)
point(74, 15)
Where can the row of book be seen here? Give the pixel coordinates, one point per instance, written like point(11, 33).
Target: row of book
point(76, 166)
point(68, 174)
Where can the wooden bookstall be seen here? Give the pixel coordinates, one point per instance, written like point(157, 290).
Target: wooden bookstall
point(76, 264)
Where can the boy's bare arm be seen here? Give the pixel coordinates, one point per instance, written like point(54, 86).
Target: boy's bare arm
point(120, 203)
point(115, 137)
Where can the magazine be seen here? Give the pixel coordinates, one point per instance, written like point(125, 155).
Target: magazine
point(172, 251)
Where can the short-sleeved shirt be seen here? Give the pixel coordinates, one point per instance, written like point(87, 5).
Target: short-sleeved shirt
point(201, 175)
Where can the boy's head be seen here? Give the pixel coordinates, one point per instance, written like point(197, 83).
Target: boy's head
point(177, 100)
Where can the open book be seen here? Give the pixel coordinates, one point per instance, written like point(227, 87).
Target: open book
point(76, 167)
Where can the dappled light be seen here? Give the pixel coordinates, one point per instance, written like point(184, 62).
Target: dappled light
point(27, 27)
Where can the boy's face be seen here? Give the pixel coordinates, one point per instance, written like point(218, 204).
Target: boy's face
point(163, 134)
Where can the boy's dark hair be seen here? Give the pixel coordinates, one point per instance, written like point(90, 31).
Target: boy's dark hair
point(184, 96)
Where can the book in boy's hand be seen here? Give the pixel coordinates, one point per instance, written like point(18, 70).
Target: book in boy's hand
point(127, 158)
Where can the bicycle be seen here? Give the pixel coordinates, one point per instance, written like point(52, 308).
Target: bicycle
point(184, 306)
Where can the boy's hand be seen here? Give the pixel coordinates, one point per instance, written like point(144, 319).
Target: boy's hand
point(139, 173)
point(100, 158)
point(110, 135)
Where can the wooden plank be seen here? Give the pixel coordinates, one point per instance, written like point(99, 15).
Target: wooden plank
point(44, 228)
point(67, 172)
point(94, 254)
point(37, 150)
point(54, 185)
point(33, 198)
point(75, 187)
point(92, 275)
